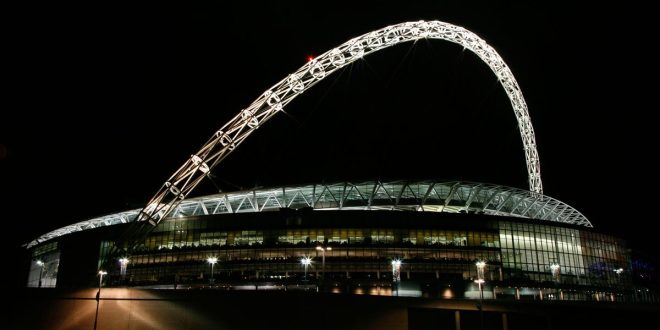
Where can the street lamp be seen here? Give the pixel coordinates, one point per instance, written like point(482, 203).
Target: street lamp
point(101, 273)
point(396, 274)
point(212, 261)
point(41, 270)
point(306, 261)
point(123, 263)
point(555, 270)
point(323, 249)
point(481, 265)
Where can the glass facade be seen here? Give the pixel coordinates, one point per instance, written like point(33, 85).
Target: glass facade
point(351, 251)
point(179, 249)
point(516, 252)
point(529, 251)
point(44, 266)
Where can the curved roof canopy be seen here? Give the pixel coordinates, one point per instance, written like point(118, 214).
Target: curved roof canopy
point(424, 196)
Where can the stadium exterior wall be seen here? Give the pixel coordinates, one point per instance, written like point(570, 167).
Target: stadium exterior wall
point(525, 258)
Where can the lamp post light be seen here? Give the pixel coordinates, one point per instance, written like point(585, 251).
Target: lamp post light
point(41, 270)
point(555, 270)
point(323, 249)
point(396, 274)
point(306, 261)
point(212, 261)
point(618, 273)
point(101, 273)
point(481, 265)
point(123, 263)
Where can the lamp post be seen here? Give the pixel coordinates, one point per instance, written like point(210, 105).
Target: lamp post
point(555, 270)
point(396, 274)
point(123, 263)
point(323, 249)
point(98, 296)
point(618, 273)
point(101, 273)
point(481, 265)
point(306, 261)
point(41, 270)
point(212, 261)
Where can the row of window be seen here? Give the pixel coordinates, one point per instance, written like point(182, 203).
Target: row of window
point(186, 237)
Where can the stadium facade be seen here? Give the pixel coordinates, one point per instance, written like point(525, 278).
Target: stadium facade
point(382, 238)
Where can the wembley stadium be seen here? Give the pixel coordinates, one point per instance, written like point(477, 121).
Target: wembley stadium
point(418, 253)
point(429, 238)
point(381, 238)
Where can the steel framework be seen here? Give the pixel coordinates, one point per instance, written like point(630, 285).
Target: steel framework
point(420, 196)
point(272, 101)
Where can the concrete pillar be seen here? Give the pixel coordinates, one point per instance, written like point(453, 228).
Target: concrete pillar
point(378, 274)
point(348, 275)
point(437, 274)
point(540, 294)
point(286, 274)
point(407, 274)
point(517, 293)
point(505, 322)
point(457, 319)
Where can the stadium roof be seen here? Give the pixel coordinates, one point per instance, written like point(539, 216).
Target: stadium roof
point(424, 196)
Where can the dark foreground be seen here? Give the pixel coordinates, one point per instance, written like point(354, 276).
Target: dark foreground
point(121, 308)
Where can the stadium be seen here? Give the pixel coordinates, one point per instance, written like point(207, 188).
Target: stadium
point(378, 238)
point(428, 238)
point(417, 253)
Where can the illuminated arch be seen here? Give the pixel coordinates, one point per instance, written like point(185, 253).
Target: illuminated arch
point(225, 140)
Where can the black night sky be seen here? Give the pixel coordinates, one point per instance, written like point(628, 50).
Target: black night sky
point(106, 101)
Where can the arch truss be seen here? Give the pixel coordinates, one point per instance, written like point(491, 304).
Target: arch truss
point(272, 101)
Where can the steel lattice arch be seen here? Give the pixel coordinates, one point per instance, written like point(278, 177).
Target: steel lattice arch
point(423, 196)
point(273, 100)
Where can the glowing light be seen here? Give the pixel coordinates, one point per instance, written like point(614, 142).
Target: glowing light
point(396, 270)
point(480, 271)
point(618, 271)
point(306, 261)
point(447, 294)
point(123, 263)
point(212, 261)
point(310, 58)
point(40, 263)
point(102, 272)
